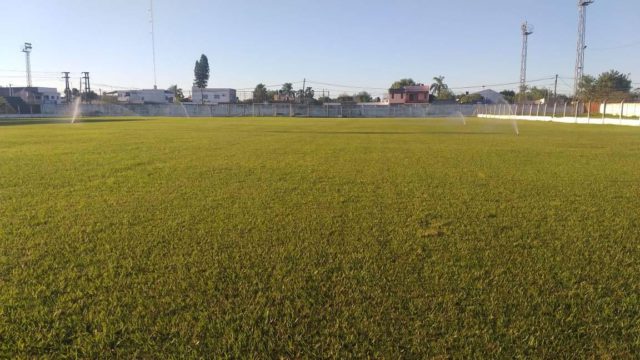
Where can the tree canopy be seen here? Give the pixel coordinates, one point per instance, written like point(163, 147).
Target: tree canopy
point(260, 94)
point(439, 87)
point(178, 95)
point(201, 72)
point(611, 85)
point(403, 82)
point(363, 97)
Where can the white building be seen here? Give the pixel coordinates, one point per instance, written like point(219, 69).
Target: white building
point(213, 96)
point(144, 96)
point(35, 95)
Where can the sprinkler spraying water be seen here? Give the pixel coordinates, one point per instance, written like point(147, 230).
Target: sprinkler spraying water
point(76, 109)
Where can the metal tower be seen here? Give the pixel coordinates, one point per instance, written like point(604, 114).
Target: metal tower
point(67, 90)
point(582, 26)
point(527, 30)
point(27, 53)
point(153, 44)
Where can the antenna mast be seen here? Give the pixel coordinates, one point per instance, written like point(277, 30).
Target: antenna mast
point(582, 30)
point(27, 53)
point(527, 30)
point(153, 45)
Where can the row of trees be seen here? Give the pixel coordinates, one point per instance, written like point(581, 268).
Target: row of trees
point(285, 94)
point(611, 86)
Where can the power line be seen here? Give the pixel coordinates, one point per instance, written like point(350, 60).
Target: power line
point(635, 43)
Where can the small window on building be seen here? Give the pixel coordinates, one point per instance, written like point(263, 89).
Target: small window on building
point(216, 96)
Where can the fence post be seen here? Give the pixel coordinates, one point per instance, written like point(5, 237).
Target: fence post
point(604, 110)
point(555, 104)
point(538, 110)
point(530, 109)
point(589, 113)
point(564, 114)
point(576, 117)
point(545, 109)
point(621, 110)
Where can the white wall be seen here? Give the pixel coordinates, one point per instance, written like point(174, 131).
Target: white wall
point(212, 96)
point(568, 119)
point(155, 96)
point(630, 109)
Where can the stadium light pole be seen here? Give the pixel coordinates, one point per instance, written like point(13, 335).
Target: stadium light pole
point(27, 53)
point(581, 46)
point(526, 30)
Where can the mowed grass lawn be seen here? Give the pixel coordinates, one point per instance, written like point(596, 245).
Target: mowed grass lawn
point(319, 238)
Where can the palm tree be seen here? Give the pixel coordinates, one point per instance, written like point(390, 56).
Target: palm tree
point(287, 90)
point(439, 86)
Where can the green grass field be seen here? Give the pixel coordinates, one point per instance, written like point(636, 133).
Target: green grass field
point(318, 238)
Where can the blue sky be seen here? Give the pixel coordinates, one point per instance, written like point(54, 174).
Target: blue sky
point(368, 43)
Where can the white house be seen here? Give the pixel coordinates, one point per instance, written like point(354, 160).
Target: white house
point(213, 96)
point(144, 96)
point(33, 95)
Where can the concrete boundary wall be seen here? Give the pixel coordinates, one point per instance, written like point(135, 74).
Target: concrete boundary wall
point(257, 110)
point(626, 109)
point(567, 120)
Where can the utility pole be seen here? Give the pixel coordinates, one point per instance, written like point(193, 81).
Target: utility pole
point(27, 53)
point(87, 86)
point(555, 88)
point(526, 31)
point(10, 90)
point(582, 30)
point(67, 91)
point(304, 97)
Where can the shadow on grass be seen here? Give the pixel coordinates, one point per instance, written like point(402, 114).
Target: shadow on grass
point(41, 121)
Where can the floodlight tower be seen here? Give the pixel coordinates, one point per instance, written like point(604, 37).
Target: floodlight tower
point(27, 53)
point(153, 44)
point(582, 30)
point(527, 29)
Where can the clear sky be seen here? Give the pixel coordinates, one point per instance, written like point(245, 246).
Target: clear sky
point(368, 43)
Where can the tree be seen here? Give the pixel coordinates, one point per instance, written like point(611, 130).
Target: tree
point(509, 96)
point(402, 83)
point(260, 94)
point(471, 99)
point(287, 91)
point(363, 97)
point(178, 95)
point(586, 88)
point(439, 87)
point(201, 74)
point(611, 85)
point(536, 93)
point(345, 98)
point(306, 94)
